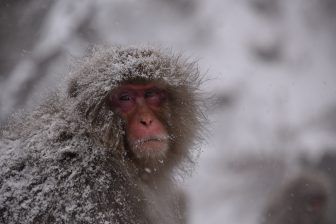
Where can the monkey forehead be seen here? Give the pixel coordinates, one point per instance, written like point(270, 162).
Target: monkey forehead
point(140, 86)
point(108, 67)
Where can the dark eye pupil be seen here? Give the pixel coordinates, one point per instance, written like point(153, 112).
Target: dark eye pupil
point(150, 93)
point(124, 98)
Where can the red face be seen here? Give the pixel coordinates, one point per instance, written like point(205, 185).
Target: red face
point(139, 105)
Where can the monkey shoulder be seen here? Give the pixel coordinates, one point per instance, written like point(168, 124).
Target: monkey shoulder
point(55, 173)
point(85, 186)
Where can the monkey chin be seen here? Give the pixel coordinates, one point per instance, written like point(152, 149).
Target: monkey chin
point(152, 147)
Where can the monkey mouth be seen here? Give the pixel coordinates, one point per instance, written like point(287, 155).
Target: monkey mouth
point(151, 139)
point(150, 146)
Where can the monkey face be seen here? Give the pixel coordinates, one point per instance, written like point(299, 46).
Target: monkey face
point(140, 105)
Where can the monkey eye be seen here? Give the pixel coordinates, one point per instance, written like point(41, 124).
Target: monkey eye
point(155, 96)
point(151, 93)
point(125, 97)
point(125, 100)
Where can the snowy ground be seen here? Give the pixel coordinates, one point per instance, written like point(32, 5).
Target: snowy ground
point(270, 72)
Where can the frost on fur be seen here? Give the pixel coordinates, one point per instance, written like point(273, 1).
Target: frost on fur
point(65, 162)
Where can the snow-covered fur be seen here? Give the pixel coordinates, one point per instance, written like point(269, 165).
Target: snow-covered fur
point(66, 162)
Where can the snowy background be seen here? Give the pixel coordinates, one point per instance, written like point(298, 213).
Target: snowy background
point(270, 80)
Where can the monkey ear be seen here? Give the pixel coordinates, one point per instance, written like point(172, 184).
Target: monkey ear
point(73, 89)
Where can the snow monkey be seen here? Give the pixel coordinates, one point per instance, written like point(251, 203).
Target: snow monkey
point(303, 200)
point(106, 149)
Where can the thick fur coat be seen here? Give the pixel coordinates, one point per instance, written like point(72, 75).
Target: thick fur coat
point(66, 162)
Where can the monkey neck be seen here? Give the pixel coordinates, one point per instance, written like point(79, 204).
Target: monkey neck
point(153, 179)
point(152, 173)
point(148, 172)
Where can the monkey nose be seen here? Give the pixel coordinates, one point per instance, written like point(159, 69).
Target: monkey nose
point(146, 121)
